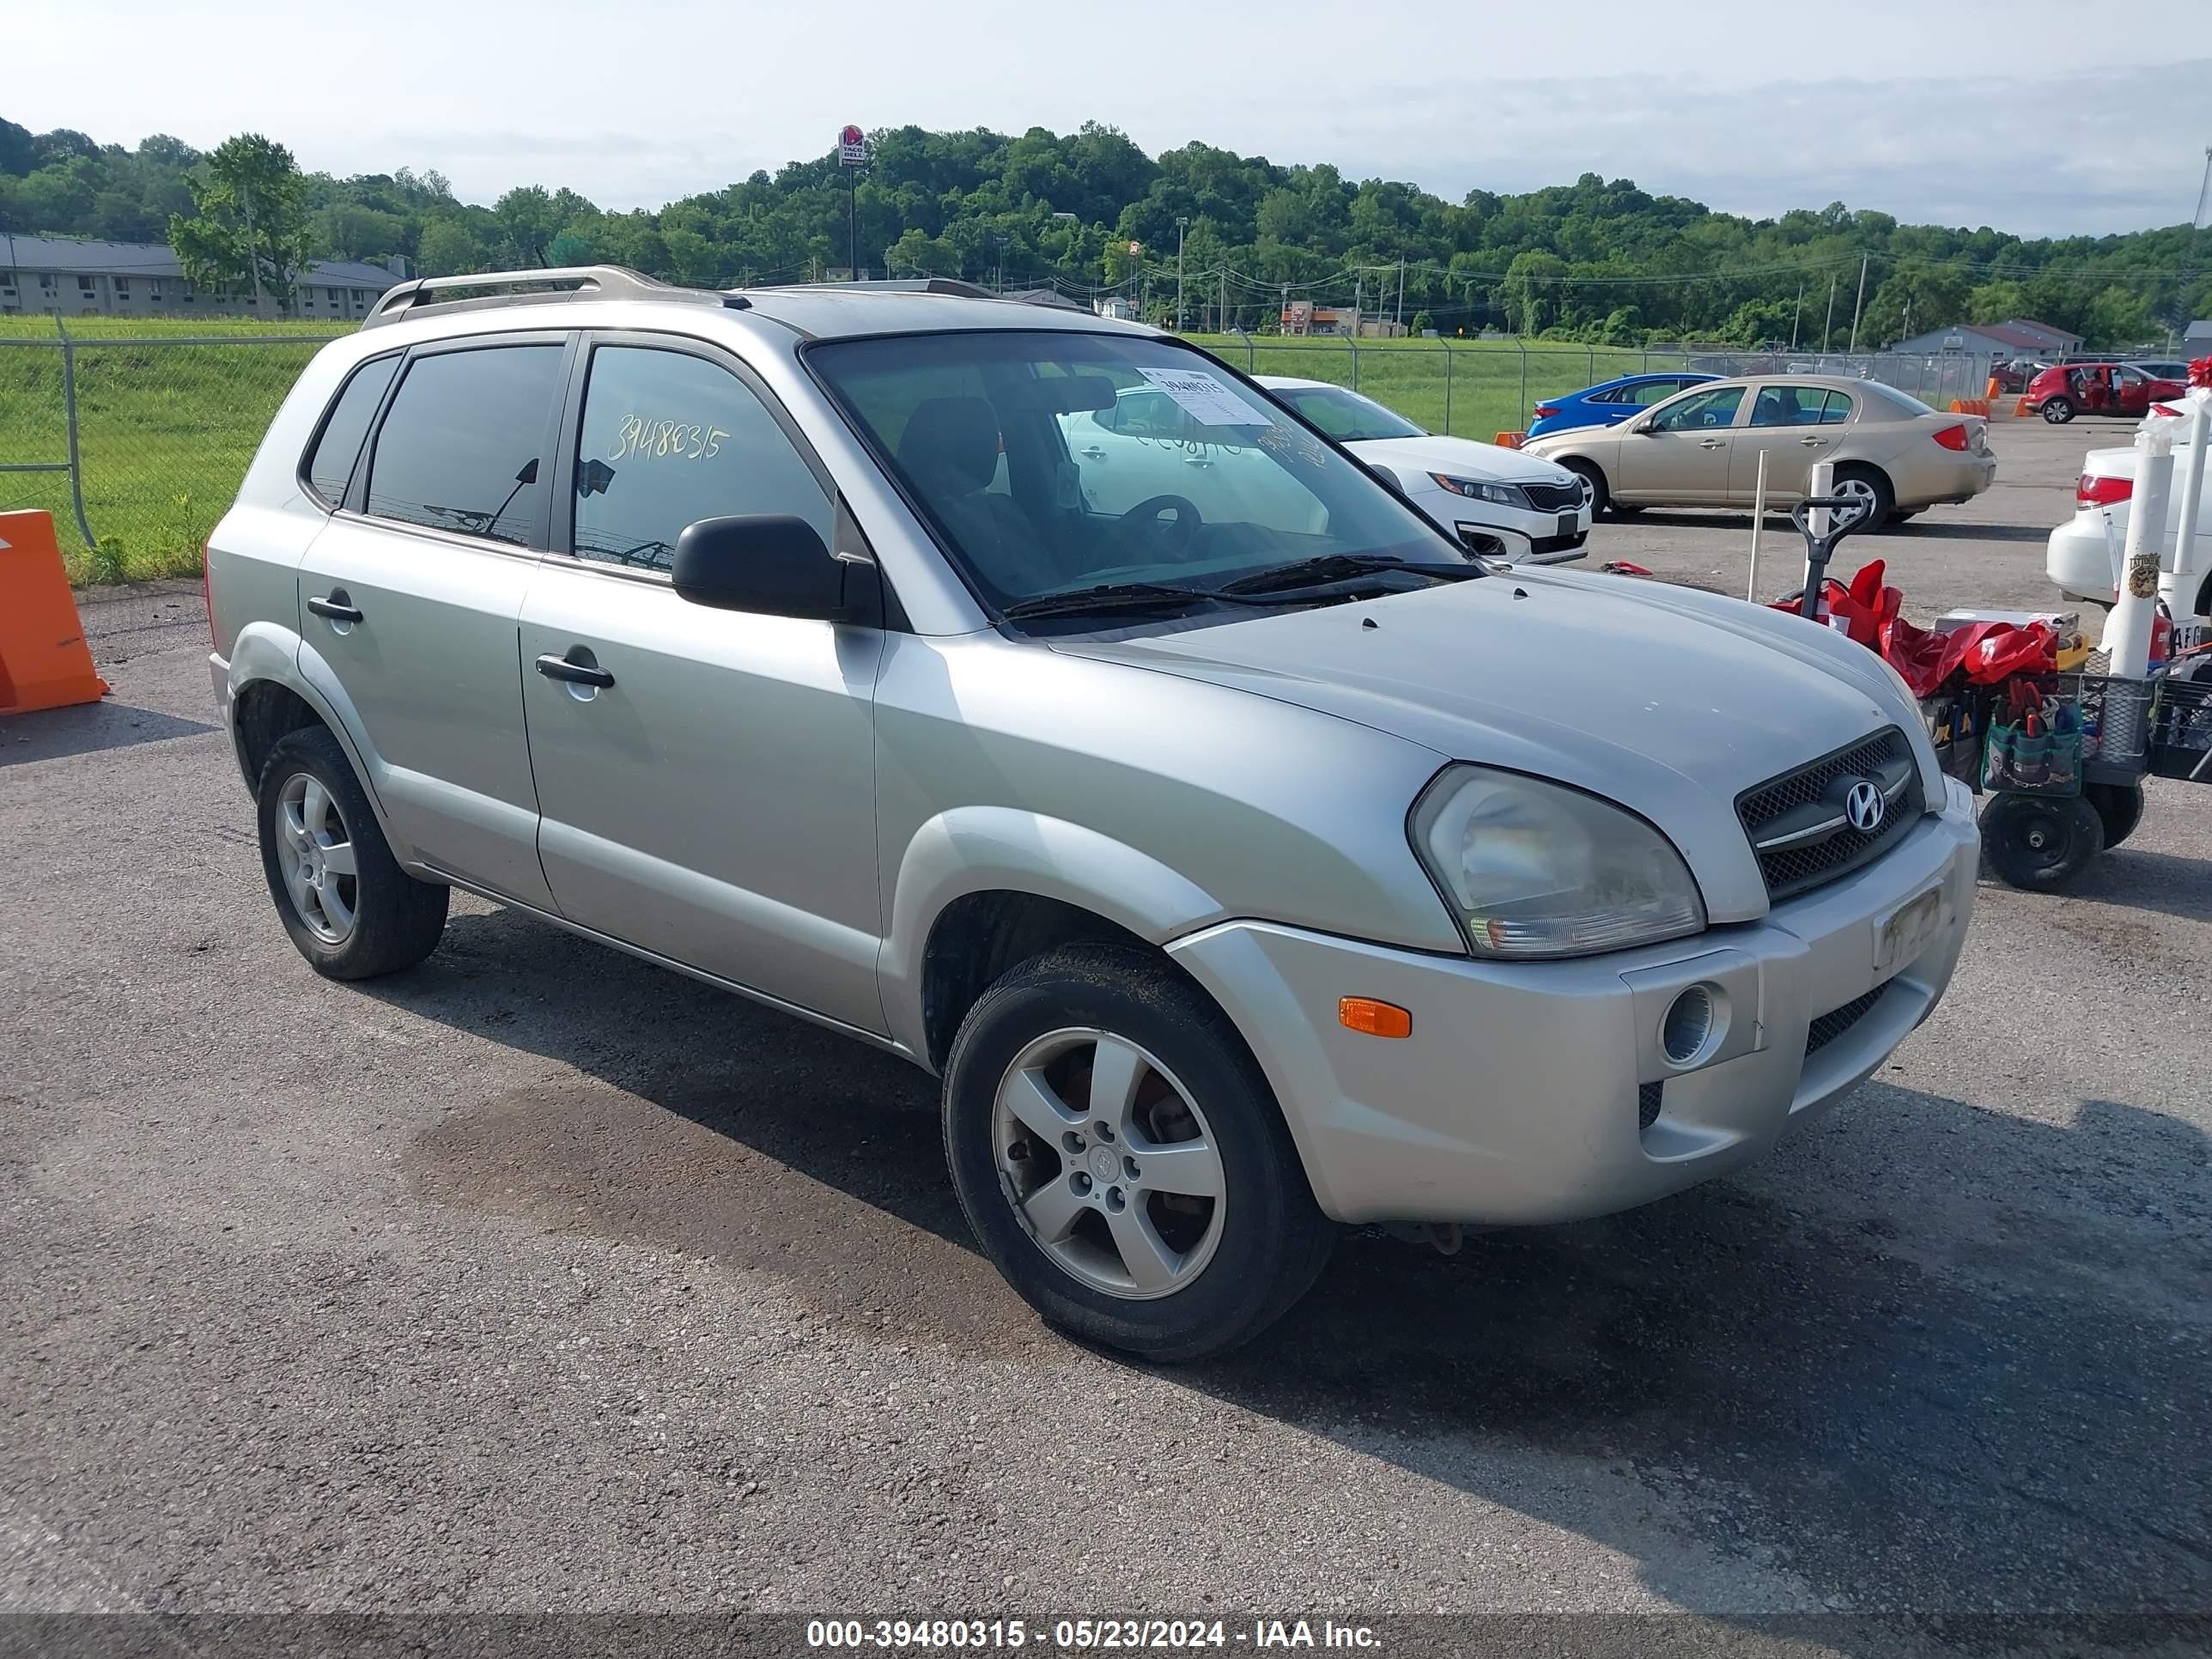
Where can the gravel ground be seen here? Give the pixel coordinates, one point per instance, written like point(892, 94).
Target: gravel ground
point(539, 1279)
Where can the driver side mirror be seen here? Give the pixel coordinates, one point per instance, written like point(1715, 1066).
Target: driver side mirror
point(1386, 477)
point(772, 564)
point(1643, 428)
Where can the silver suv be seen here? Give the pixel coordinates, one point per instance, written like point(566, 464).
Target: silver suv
point(1245, 859)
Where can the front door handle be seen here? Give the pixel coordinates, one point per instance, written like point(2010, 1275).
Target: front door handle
point(1712, 443)
point(1094, 453)
point(573, 673)
point(337, 606)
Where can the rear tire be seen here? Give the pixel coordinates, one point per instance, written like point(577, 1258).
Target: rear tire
point(2119, 809)
point(1865, 484)
point(1081, 1223)
point(351, 911)
point(2058, 410)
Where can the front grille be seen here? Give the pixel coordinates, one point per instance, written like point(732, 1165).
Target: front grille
point(1649, 1098)
point(1837, 1021)
point(1553, 497)
point(1557, 543)
point(1802, 807)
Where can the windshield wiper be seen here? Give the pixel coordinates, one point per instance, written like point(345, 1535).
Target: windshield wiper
point(1335, 568)
point(1114, 596)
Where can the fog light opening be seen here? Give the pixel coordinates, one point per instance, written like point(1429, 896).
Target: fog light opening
point(1691, 1029)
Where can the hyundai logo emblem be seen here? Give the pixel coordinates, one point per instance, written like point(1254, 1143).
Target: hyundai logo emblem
point(1863, 807)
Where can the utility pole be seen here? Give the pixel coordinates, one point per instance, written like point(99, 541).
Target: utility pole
point(1828, 322)
point(1182, 221)
point(1401, 293)
point(1858, 306)
point(1221, 317)
point(253, 247)
point(1796, 314)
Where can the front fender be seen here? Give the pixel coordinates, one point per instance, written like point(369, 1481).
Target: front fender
point(974, 849)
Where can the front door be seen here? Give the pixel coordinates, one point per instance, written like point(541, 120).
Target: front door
point(714, 801)
point(1793, 427)
point(1683, 454)
point(409, 600)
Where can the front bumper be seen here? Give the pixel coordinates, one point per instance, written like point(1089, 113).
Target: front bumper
point(1517, 535)
point(1516, 1098)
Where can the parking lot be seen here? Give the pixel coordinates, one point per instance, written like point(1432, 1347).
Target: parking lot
point(539, 1278)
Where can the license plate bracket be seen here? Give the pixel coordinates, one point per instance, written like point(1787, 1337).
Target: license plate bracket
point(1905, 931)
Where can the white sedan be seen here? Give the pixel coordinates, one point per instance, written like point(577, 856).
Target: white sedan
point(2080, 559)
point(1502, 503)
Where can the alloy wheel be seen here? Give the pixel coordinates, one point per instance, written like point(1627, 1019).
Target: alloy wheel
point(1109, 1164)
point(314, 852)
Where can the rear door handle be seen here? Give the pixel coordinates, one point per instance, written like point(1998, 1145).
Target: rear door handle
point(1094, 453)
point(1812, 443)
point(337, 607)
point(573, 673)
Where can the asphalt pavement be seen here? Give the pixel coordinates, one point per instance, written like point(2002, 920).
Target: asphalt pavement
point(538, 1279)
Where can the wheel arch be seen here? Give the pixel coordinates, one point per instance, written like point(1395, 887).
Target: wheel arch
point(981, 888)
point(270, 694)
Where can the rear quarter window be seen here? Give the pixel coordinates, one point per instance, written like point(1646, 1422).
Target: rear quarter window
point(337, 444)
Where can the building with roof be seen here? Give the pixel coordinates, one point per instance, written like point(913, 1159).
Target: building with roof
point(2017, 337)
point(2198, 335)
point(61, 276)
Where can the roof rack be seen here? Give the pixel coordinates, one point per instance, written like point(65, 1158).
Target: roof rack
point(527, 287)
point(953, 285)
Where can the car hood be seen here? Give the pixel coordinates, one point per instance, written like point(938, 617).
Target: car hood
point(1462, 457)
point(1668, 701)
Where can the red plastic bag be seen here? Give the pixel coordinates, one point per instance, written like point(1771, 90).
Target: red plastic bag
point(1863, 607)
point(1984, 652)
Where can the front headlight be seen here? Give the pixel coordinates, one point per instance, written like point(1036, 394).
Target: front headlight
point(1498, 495)
point(1532, 869)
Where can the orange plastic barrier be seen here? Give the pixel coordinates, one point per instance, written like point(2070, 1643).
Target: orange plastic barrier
point(1509, 440)
point(2020, 408)
point(1994, 390)
point(43, 660)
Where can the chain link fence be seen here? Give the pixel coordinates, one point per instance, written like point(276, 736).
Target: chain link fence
point(1479, 388)
point(137, 444)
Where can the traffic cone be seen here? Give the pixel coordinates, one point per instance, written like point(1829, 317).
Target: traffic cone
point(43, 660)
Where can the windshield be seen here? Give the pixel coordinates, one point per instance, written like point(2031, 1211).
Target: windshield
point(1050, 461)
point(1345, 415)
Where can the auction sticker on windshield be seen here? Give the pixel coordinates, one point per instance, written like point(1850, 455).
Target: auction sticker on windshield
point(1204, 398)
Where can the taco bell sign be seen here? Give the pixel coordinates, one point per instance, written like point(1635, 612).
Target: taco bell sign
point(852, 146)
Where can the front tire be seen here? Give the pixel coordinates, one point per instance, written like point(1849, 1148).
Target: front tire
point(2040, 843)
point(1601, 497)
point(350, 908)
point(1123, 1160)
point(2058, 410)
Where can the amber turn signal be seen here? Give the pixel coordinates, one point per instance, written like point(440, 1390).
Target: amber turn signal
point(1384, 1019)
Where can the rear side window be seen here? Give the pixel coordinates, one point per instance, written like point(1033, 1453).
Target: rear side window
point(459, 449)
point(329, 463)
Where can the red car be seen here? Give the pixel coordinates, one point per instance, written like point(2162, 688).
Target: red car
point(2065, 390)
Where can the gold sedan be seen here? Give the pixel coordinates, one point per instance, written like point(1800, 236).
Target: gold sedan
point(1701, 447)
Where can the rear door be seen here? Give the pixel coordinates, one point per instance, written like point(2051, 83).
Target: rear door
point(410, 597)
point(1684, 455)
point(1792, 427)
point(715, 802)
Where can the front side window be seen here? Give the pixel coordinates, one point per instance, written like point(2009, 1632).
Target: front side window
point(1700, 411)
point(1237, 490)
point(669, 438)
point(330, 462)
point(1345, 415)
point(460, 447)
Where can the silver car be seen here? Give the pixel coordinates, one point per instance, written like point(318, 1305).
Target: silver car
point(1244, 859)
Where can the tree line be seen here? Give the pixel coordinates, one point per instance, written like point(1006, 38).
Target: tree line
point(1089, 212)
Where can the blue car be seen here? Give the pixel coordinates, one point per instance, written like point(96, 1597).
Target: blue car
point(1612, 402)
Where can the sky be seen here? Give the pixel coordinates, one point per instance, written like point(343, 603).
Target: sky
point(2031, 117)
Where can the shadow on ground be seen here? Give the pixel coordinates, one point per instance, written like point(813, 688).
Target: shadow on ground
point(1994, 1437)
point(88, 728)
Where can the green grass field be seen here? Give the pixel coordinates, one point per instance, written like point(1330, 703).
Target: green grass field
point(1486, 394)
point(165, 430)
